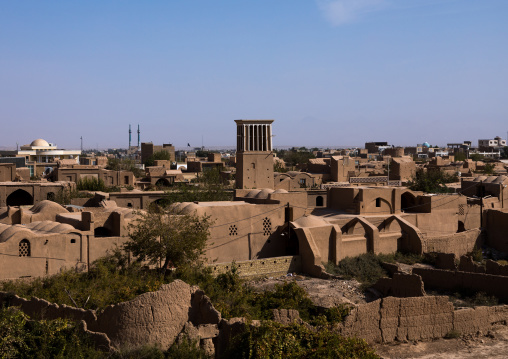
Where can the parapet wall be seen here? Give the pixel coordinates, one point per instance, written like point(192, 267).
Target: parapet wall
point(275, 266)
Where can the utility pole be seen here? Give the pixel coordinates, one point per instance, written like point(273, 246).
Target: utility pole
point(130, 133)
point(81, 144)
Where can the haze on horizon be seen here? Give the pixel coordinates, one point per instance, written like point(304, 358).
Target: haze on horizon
point(330, 72)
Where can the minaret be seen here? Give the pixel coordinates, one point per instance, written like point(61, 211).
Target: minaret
point(254, 157)
point(138, 136)
point(130, 133)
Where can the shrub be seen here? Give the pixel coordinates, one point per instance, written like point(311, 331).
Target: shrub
point(186, 349)
point(476, 254)
point(273, 340)
point(25, 338)
point(109, 281)
point(365, 268)
point(90, 184)
point(452, 334)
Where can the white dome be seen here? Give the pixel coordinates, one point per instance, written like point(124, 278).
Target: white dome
point(39, 143)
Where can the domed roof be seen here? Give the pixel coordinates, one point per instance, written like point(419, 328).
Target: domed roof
point(253, 193)
point(39, 143)
point(310, 221)
point(426, 144)
point(280, 190)
point(263, 194)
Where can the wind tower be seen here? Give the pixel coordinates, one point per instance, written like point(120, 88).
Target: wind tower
point(254, 157)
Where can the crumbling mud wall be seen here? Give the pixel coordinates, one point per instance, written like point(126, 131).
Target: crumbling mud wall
point(151, 318)
point(457, 243)
point(491, 267)
point(430, 317)
point(388, 319)
point(401, 285)
point(480, 282)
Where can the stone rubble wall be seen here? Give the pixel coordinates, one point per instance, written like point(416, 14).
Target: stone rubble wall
point(275, 266)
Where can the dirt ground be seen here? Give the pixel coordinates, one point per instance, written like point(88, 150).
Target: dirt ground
point(490, 345)
point(330, 292)
point(323, 292)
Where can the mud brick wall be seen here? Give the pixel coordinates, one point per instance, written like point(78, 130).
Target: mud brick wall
point(401, 285)
point(275, 266)
point(389, 319)
point(480, 282)
point(495, 268)
point(458, 243)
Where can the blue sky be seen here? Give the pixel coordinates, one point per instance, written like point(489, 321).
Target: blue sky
point(330, 72)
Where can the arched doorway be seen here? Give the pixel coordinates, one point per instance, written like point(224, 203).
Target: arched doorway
point(408, 202)
point(319, 201)
point(162, 182)
point(20, 198)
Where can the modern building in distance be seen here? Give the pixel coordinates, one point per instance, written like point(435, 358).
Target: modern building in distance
point(40, 155)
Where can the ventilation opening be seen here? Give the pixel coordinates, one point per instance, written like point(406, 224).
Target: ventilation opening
point(24, 248)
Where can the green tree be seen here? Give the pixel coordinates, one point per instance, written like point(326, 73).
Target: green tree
point(460, 156)
point(431, 181)
point(504, 152)
point(169, 237)
point(295, 156)
point(90, 184)
point(124, 164)
point(207, 187)
point(159, 155)
point(476, 157)
point(489, 168)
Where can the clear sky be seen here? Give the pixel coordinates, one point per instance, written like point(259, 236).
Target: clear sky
point(330, 72)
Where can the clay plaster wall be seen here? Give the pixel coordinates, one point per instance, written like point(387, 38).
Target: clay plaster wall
point(331, 242)
point(497, 229)
point(48, 254)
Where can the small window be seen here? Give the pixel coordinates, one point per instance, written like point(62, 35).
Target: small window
point(319, 201)
point(24, 248)
point(378, 202)
point(73, 240)
point(129, 205)
point(267, 226)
